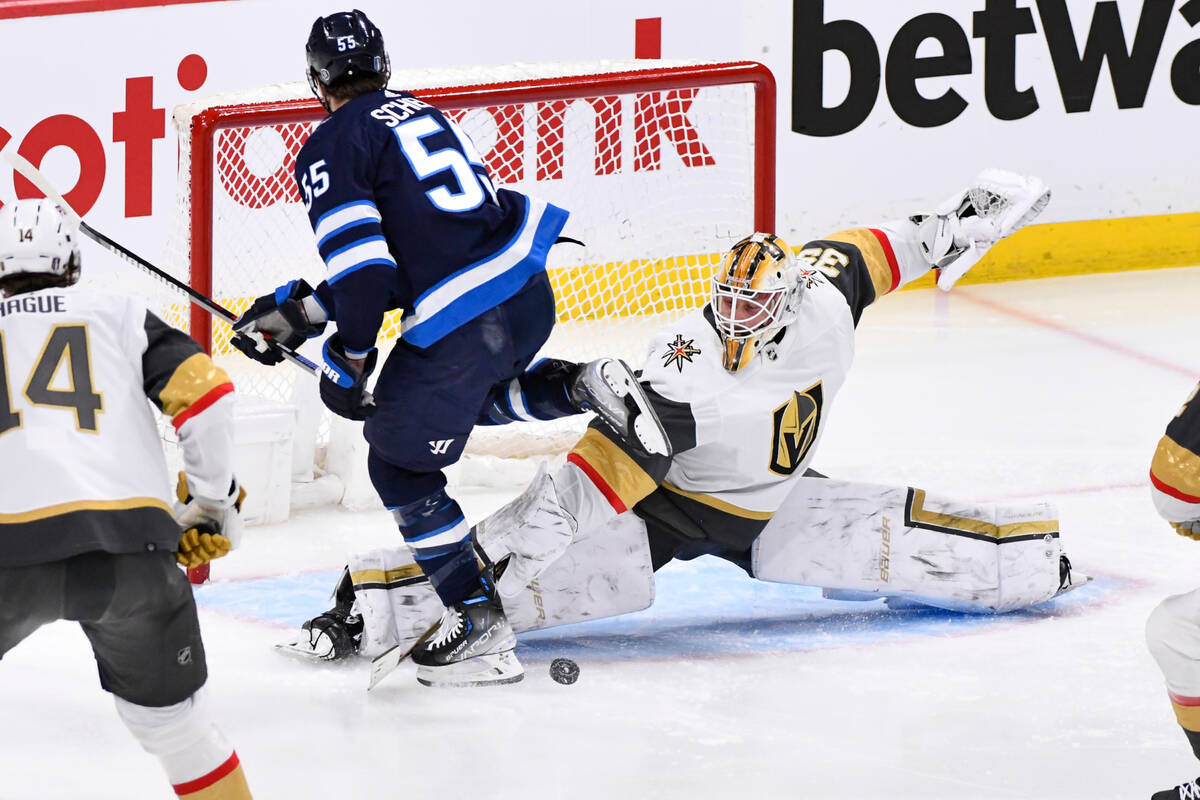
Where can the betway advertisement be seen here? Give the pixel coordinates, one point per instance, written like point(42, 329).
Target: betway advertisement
point(882, 108)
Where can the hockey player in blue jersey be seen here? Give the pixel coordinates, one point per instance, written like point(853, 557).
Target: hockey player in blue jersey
point(405, 216)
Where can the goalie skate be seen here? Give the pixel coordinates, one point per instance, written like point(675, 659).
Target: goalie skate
point(332, 636)
point(1069, 579)
point(607, 387)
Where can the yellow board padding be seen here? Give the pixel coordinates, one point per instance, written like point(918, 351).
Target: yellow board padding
point(681, 283)
point(1086, 247)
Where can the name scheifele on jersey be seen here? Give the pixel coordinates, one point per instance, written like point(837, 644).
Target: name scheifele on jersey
point(39, 303)
point(406, 217)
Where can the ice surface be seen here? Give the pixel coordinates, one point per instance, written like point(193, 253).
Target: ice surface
point(726, 687)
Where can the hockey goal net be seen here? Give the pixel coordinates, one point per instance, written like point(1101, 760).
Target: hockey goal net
point(662, 165)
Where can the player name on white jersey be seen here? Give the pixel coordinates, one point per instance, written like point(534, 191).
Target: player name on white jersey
point(39, 303)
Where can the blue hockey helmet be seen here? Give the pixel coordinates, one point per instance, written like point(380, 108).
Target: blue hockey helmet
point(343, 46)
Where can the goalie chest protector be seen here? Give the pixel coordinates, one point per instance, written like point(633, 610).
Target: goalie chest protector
point(758, 427)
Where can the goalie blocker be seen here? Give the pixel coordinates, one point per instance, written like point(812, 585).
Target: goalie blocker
point(856, 541)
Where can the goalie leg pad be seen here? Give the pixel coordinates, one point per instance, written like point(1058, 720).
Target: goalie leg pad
point(900, 542)
point(534, 528)
point(604, 573)
point(393, 597)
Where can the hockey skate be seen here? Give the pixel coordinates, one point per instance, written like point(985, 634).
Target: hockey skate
point(1069, 579)
point(332, 635)
point(607, 387)
point(472, 645)
point(1184, 791)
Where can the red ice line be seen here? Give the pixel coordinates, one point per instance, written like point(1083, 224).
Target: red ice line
point(1075, 333)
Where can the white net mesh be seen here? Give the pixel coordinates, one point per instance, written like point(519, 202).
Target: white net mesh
point(658, 183)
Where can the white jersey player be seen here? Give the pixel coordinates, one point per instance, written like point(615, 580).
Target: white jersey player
point(86, 525)
point(743, 388)
point(1173, 630)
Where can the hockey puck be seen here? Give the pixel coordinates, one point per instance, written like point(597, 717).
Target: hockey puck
point(564, 671)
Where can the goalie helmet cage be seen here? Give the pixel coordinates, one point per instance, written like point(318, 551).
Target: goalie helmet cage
point(663, 166)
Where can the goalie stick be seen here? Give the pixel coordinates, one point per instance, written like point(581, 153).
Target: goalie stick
point(35, 176)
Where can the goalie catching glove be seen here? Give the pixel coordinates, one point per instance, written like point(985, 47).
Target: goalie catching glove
point(211, 528)
point(960, 230)
point(288, 316)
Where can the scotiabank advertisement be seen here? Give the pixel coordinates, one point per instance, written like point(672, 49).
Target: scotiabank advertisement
point(882, 108)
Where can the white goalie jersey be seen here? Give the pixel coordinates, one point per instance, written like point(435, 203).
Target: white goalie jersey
point(84, 461)
point(755, 428)
point(740, 438)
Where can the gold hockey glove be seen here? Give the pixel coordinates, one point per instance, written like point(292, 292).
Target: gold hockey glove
point(210, 527)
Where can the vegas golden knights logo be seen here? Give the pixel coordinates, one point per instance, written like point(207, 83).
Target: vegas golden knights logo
point(795, 429)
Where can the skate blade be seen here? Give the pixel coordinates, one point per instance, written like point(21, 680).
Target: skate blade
point(386, 662)
point(1078, 579)
point(646, 425)
point(301, 649)
point(492, 669)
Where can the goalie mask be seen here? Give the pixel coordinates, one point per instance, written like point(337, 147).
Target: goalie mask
point(36, 239)
point(756, 293)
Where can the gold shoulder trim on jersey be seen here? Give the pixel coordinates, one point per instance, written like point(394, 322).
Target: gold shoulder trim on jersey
point(720, 505)
point(873, 256)
point(615, 467)
point(191, 380)
point(1177, 467)
point(83, 505)
point(917, 513)
point(385, 575)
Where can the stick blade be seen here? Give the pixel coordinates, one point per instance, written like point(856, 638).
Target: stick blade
point(383, 664)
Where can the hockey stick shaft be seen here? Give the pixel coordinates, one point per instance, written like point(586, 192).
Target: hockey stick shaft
point(35, 176)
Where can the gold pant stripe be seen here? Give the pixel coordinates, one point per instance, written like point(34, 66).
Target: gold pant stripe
point(719, 504)
point(83, 505)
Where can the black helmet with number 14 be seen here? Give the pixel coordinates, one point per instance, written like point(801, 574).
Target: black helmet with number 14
point(346, 56)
